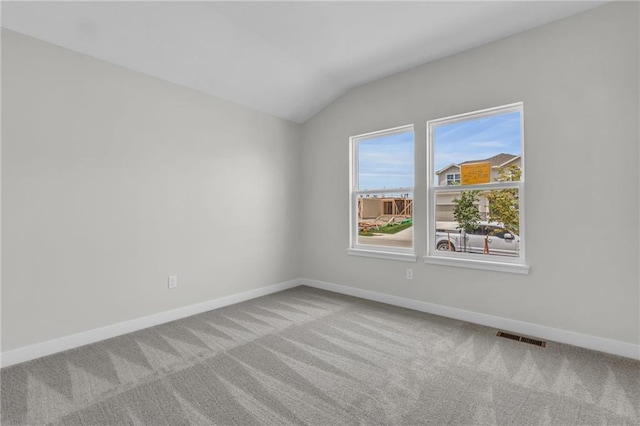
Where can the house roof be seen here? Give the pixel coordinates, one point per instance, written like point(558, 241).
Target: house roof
point(496, 160)
point(447, 167)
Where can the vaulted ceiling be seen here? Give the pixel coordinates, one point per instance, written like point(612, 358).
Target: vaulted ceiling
point(289, 59)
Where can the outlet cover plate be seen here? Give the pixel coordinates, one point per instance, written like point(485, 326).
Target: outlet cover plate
point(173, 281)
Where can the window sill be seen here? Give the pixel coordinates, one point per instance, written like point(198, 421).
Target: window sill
point(514, 268)
point(389, 255)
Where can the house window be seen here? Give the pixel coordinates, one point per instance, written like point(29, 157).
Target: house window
point(453, 179)
point(476, 190)
point(381, 194)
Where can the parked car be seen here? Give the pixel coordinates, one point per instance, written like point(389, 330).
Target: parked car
point(500, 241)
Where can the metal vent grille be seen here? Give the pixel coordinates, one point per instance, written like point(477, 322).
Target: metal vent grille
point(523, 339)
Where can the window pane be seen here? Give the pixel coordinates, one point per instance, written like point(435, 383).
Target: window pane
point(482, 222)
point(386, 161)
point(385, 220)
point(487, 149)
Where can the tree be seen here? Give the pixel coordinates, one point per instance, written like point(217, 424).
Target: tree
point(466, 213)
point(504, 204)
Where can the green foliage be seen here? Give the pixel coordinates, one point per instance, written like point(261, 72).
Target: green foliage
point(390, 228)
point(466, 212)
point(512, 174)
point(504, 203)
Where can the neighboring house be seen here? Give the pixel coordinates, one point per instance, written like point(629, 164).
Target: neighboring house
point(450, 175)
point(374, 207)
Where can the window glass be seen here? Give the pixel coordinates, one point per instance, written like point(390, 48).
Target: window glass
point(385, 220)
point(473, 207)
point(382, 190)
point(494, 139)
point(386, 161)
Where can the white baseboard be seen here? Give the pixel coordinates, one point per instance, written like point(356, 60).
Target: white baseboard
point(49, 347)
point(601, 344)
point(38, 350)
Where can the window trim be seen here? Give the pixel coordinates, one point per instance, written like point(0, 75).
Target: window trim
point(383, 252)
point(468, 260)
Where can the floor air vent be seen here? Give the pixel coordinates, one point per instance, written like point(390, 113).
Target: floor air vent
point(518, 338)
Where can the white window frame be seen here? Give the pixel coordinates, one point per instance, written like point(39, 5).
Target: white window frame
point(469, 260)
point(382, 252)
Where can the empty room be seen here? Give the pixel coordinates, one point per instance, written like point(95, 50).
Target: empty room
point(320, 213)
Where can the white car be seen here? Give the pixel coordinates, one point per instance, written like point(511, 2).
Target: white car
point(499, 240)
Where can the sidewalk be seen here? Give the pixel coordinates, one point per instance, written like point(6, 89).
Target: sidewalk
point(403, 238)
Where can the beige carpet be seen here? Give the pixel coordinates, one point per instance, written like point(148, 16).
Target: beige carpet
point(307, 356)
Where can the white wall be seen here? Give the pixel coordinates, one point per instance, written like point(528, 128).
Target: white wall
point(578, 79)
point(113, 180)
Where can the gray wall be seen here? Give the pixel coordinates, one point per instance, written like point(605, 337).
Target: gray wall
point(578, 79)
point(113, 180)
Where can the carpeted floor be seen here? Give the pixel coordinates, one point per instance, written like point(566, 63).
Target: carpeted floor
point(307, 356)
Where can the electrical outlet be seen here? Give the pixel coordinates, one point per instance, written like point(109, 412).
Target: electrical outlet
point(173, 281)
point(409, 273)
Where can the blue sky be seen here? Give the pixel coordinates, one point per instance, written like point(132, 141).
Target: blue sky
point(387, 161)
point(477, 139)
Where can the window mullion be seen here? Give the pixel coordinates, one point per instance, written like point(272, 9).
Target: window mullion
point(384, 191)
point(480, 187)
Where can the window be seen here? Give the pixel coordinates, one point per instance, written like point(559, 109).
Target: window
point(382, 180)
point(453, 179)
point(476, 190)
